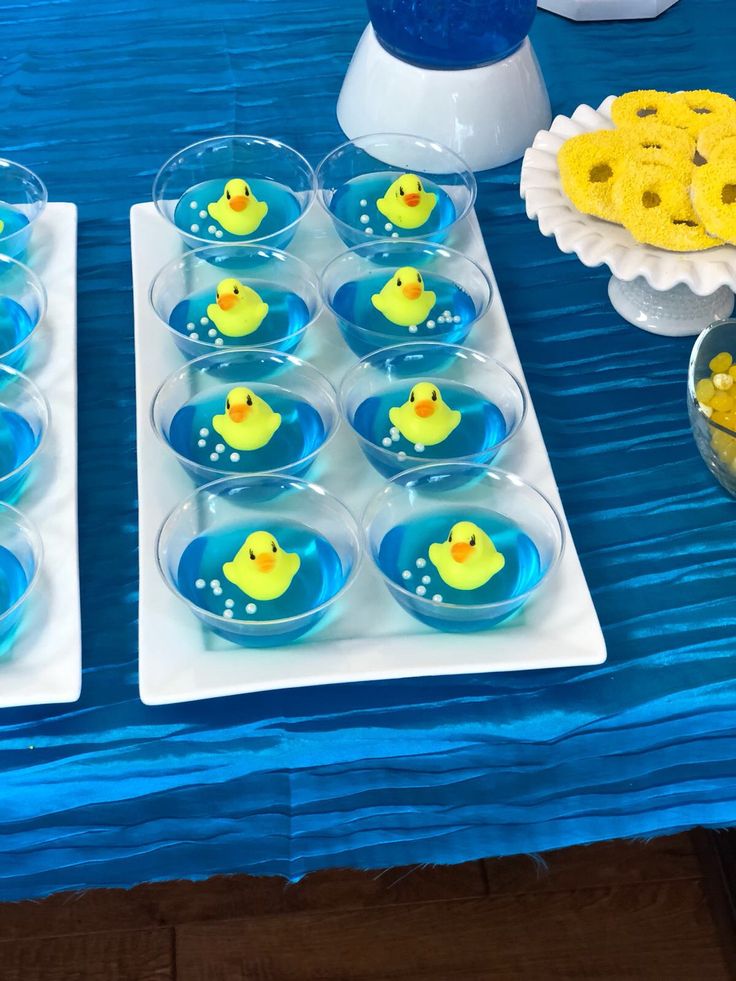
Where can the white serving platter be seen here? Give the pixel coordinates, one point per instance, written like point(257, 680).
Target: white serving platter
point(372, 638)
point(44, 664)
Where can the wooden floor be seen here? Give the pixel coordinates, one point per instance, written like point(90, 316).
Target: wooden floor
point(623, 910)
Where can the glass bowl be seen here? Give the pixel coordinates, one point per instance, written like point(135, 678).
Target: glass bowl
point(185, 288)
point(408, 525)
point(21, 556)
point(390, 271)
point(714, 430)
point(24, 420)
point(277, 598)
point(23, 197)
point(260, 169)
point(202, 414)
point(355, 176)
point(465, 406)
point(22, 308)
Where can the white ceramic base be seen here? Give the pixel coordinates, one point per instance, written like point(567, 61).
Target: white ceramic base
point(677, 312)
point(606, 9)
point(487, 115)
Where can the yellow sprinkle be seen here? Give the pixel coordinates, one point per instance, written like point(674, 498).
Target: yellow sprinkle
point(722, 401)
point(721, 362)
point(705, 390)
point(722, 381)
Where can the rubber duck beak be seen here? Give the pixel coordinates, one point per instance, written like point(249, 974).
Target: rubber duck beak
point(413, 199)
point(238, 412)
point(412, 291)
point(239, 203)
point(460, 551)
point(265, 561)
point(424, 409)
point(226, 301)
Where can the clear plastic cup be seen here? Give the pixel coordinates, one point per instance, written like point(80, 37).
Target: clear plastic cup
point(22, 308)
point(23, 193)
point(21, 557)
point(24, 420)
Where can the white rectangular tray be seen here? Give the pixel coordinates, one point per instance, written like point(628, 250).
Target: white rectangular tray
point(44, 664)
point(179, 660)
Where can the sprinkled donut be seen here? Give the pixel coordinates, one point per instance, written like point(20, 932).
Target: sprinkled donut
point(655, 208)
point(588, 164)
point(714, 197)
point(646, 104)
point(717, 139)
point(702, 108)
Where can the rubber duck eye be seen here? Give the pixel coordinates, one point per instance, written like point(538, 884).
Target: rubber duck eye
point(252, 555)
point(227, 194)
point(236, 290)
point(273, 547)
point(419, 185)
point(434, 395)
point(401, 190)
point(249, 401)
point(449, 537)
point(411, 397)
point(227, 404)
point(398, 282)
point(472, 541)
point(419, 278)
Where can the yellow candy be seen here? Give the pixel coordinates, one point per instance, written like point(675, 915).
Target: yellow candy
point(721, 362)
point(732, 371)
point(723, 402)
point(722, 381)
point(705, 390)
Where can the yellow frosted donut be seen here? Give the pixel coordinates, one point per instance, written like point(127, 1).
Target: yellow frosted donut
point(655, 207)
point(717, 139)
point(654, 142)
point(588, 165)
point(702, 108)
point(650, 104)
point(714, 197)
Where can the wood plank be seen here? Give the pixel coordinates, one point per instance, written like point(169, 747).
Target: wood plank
point(144, 955)
point(605, 863)
point(653, 930)
point(224, 897)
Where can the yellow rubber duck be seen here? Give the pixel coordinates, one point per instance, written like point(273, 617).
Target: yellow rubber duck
point(425, 418)
point(406, 203)
point(261, 568)
point(403, 299)
point(238, 210)
point(248, 422)
point(468, 559)
point(239, 310)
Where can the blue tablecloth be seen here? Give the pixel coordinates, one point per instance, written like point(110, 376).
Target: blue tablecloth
point(110, 792)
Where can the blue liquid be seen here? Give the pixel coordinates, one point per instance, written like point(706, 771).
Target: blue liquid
point(14, 222)
point(319, 577)
point(481, 428)
point(346, 206)
point(438, 34)
point(301, 432)
point(13, 583)
point(279, 330)
point(406, 543)
point(15, 326)
point(352, 305)
point(283, 209)
point(17, 443)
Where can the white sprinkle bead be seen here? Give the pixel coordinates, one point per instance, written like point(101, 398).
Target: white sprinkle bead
point(436, 598)
point(363, 202)
point(388, 226)
point(394, 432)
point(228, 613)
point(219, 342)
point(420, 563)
point(421, 590)
point(212, 229)
point(194, 336)
point(401, 456)
point(413, 329)
point(369, 231)
point(456, 319)
point(201, 443)
point(217, 592)
point(200, 583)
point(202, 214)
point(447, 313)
point(419, 447)
point(386, 440)
point(707, 410)
point(193, 205)
point(190, 326)
point(426, 580)
point(235, 457)
point(394, 234)
point(204, 321)
point(229, 603)
point(215, 583)
point(364, 219)
point(430, 324)
point(722, 381)
point(212, 332)
point(195, 227)
point(204, 432)
point(220, 448)
point(406, 574)
point(218, 233)
point(214, 457)
point(251, 608)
